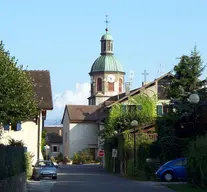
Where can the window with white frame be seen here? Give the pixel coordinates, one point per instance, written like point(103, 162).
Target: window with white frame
point(55, 148)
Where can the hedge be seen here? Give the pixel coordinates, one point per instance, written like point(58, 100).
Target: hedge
point(12, 161)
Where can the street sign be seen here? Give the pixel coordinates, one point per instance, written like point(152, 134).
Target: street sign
point(101, 153)
point(114, 152)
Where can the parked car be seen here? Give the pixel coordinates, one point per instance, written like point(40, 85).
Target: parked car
point(173, 170)
point(44, 169)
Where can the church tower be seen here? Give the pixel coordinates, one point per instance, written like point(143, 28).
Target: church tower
point(107, 74)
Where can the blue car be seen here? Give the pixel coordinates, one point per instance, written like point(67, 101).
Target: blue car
point(173, 170)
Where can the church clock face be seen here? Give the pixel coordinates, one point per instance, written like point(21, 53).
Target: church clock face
point(111, 78)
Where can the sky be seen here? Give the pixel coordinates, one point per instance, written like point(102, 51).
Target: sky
point(64, 37)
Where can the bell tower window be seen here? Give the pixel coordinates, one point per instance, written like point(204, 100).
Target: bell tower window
point(110, 86)
point(120, 85)
point(99, 84)
point(108, 46)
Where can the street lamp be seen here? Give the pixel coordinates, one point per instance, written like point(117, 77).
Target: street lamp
point(194, 99)
point(47, 148)
point(134, 124)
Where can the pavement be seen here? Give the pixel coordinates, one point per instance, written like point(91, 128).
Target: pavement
point(90, 178)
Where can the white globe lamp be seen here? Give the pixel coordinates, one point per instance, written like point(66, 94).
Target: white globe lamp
point(194, 98)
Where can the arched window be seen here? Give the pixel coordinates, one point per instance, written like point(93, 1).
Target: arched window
point(99, 84)
point(120, 85)
point(110, 86)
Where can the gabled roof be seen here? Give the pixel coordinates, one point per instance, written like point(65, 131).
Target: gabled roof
point(122, 97)
point(86, 113)
point(42, 88)
point(54, 138)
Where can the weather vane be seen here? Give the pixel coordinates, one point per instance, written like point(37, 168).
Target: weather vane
point(106, 23)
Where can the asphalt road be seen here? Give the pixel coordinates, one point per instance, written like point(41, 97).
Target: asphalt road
point(91, 178)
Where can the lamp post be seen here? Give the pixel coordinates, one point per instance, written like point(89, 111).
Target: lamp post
point(134, 124)
point(194, 99)
point(47, 148)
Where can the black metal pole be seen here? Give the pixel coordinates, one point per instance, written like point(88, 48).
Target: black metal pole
point(194, 116)
point(134, 150)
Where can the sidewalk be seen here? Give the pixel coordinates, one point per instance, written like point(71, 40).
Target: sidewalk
point(40, 186)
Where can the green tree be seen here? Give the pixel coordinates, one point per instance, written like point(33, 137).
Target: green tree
point(187, 74)
point(17, 99)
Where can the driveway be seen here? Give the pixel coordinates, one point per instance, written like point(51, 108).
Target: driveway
point(77, 178)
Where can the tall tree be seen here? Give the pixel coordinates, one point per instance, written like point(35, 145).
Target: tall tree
point(17, 99)
point(187, 74)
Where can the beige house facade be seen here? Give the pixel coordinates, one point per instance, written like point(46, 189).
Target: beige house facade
point(29, 132)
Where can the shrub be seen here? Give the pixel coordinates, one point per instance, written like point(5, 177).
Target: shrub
point(172, 148)
point(28, 164)
point(83, 156)
point(59, 158)
point(53, 159)
point(197, 162)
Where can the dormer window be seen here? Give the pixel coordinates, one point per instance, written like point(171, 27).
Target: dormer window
point(99, 84)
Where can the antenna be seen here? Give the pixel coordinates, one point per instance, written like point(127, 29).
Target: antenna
point(131, 76)
point(160, 72)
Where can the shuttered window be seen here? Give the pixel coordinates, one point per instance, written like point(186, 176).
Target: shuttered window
point(159, 110)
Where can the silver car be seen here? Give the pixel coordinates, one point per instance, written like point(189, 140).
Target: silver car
point(44, 169)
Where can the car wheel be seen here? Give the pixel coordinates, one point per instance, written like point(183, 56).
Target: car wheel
point(168, 176)
point(54, 178)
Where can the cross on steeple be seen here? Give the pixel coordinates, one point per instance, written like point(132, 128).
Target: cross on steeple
point(145, 76)
point(106, 23)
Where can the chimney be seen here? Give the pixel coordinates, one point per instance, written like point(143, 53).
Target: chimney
point(127, 88)
point(60, 132)
point(144, 83)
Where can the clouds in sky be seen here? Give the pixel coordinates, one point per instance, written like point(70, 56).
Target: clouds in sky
point(77, 97)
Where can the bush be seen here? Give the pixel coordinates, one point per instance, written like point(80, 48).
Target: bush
point(172, 148)
point(197, 162)
point(59, 158)
point(28, 164)
point(83, 156)
point(53, 159)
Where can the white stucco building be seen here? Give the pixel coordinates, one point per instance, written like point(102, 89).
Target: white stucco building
point(29, 132)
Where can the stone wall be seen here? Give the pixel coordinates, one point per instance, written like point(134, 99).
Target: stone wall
point(14, 184)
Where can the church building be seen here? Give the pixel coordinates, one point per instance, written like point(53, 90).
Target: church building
point(83, 123)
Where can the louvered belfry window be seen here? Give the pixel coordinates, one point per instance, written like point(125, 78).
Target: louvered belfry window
point(99, 84)
point(110, 86)
point(120, 85)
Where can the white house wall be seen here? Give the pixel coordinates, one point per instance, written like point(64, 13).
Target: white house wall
point(65, 135)
point(82, 135)
point(28, 134)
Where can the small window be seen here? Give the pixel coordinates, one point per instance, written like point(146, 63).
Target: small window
point(108, 46)
point(131, 108)
point(120, 85)
point(159, 110)
point(99, 84)
point(124, 108)
point(110, 86)
point(104, 44)
point(111, 46)
point(55, 148)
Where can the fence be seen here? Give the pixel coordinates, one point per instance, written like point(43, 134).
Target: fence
point(12, 161)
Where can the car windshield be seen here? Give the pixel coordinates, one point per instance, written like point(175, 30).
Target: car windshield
point(44, 164)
